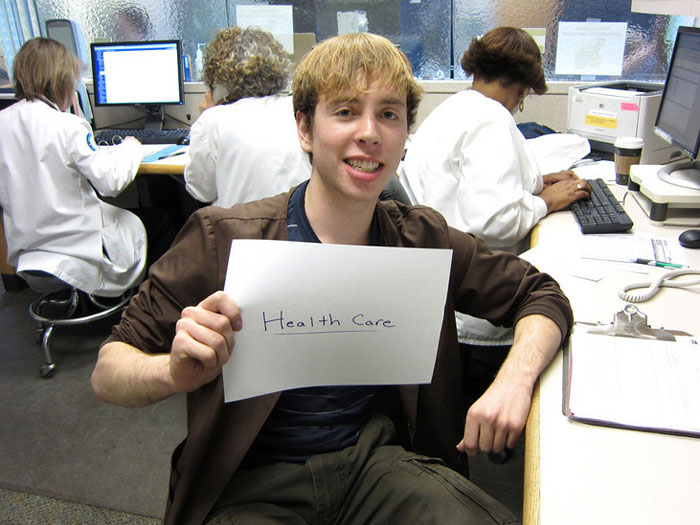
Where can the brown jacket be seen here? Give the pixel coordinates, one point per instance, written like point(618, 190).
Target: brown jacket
point(494, 285)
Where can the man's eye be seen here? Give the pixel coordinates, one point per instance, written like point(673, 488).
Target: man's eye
point(344, 112)
point(391, 115)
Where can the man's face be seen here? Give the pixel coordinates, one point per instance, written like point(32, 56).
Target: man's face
point(357, 141)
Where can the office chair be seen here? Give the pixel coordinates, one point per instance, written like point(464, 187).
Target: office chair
point(63, 305)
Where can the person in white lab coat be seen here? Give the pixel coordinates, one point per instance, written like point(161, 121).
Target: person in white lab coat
point(51, 171)
point(244, 146)
point(469, 161)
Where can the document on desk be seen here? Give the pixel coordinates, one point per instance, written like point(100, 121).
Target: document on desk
point(629, 248)
point(325, 314)
point(644, 384)
point(162, 151)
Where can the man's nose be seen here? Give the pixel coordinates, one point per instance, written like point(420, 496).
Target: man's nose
point(368, 131)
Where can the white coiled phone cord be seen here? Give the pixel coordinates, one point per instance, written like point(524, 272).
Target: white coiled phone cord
point(664, 280)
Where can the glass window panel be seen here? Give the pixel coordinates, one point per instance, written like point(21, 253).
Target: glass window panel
point(433, 34)
point(420, 28)
point(192, 21)
point(649, 39)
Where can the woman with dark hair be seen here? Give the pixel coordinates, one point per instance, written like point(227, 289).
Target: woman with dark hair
point(469, 161)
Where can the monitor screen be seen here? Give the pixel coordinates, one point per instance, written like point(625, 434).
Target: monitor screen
point(137, 73)
point(678, 121)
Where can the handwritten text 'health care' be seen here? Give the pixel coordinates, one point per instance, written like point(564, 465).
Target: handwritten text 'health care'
point(326, 323)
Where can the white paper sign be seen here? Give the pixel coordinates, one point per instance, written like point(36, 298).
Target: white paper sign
point(325, 314)
point(275, 19)
point(590, 48)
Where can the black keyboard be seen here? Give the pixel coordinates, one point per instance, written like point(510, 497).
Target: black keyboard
point(602, 213)
point(146, 136)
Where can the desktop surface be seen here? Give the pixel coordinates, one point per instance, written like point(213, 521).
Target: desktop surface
point(578, 473)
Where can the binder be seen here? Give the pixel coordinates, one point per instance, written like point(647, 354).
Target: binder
point(629, 375)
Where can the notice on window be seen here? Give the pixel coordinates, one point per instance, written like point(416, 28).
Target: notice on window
point(326, 314)
point(275, 19)
point(352, 22)
point(538, 34)
point(590, 48)
point(667, 7)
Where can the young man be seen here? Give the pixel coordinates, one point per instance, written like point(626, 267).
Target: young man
point(332, 454)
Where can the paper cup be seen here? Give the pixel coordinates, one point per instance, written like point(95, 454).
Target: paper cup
point(628, 151)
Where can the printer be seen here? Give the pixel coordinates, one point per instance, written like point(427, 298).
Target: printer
point(604, 112)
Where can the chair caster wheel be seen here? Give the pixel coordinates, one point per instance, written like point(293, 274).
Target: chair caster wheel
point(47, 371)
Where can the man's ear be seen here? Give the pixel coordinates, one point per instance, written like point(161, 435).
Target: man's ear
point(304, 130)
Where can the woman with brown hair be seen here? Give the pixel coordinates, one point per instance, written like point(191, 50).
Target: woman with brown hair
point(51, 171)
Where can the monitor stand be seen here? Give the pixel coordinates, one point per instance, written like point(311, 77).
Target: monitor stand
point(684, 173)
point(664, 199)
point(154, 117)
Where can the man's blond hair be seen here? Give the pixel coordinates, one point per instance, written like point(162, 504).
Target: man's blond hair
point(353, 62)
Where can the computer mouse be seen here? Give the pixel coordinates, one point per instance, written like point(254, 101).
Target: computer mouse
point(184, 141)
point(690, 238)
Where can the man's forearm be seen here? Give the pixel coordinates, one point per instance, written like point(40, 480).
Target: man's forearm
point(124, 375)
point(536, 341)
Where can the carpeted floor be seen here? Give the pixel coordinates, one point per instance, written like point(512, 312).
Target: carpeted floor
point(56, 439)
point(20, 508)
point(67, 458)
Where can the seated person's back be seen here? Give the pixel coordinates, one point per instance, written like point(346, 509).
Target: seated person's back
point(245, 151)
point(469, 161)
point(244, 146)
point(50, 173)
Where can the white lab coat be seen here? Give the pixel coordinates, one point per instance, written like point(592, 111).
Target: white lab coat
point(54, 219)
point(245, 151)
point(469, 161)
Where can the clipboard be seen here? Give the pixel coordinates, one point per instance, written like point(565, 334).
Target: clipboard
point(629, 375)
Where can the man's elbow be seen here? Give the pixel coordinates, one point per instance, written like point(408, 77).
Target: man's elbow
point(96, 382)
point(100, 374)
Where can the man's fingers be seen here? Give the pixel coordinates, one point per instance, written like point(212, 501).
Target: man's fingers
point(499, 441)
point(217, 322)
point(215, 334)
point(470, 442)
point(224, 304)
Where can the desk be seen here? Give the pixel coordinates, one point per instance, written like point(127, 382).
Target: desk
point(168, 193)
point(170, 166)
point(582, 474)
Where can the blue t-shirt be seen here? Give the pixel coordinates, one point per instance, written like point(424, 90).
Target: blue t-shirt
point(314, 420)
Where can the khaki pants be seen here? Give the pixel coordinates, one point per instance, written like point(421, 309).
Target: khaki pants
point(369, 483)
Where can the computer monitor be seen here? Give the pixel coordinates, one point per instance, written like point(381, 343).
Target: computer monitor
point(678, 120)
point(147, 75)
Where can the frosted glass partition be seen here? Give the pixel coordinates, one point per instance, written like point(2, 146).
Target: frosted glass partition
point(647, 49)
point(432, 33)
